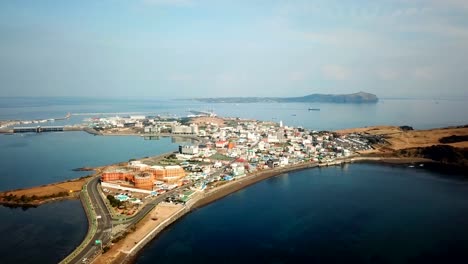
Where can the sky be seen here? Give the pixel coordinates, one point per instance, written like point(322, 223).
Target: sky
point(214, 48)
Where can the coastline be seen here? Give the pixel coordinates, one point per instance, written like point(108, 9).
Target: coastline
point(39, 195)
point(212, 195)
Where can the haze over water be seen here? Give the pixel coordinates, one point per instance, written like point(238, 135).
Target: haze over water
point(419, 113)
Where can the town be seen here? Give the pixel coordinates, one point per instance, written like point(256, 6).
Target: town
point(221, 150)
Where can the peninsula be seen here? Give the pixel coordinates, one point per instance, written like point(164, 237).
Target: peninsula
point(355, 98)
point(129, 203)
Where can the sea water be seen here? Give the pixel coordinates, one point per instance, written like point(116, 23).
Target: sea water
point(327, 222)
point(359, 213)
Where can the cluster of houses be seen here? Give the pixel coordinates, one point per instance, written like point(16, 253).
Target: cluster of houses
point(144, 124)
point(249, 145)
point(239, 147)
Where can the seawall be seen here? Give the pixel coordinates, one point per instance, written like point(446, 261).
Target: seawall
point(209, 196)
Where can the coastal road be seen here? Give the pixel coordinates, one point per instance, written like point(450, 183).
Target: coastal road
point(103, 221)
point(149, 206)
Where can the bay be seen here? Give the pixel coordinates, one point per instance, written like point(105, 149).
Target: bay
point(46, 234)
point(50, 232)
point(34, 159)
point(359, 213)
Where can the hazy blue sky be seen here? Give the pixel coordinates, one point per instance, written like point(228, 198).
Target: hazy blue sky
point(233, 48)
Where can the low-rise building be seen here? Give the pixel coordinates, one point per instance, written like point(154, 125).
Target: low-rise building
point(188, 150)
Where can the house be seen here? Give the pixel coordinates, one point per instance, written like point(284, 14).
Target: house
point(271, 163)
point(188, 150)
point(221, 143)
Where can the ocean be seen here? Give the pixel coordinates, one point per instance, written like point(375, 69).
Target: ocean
point(46, 234)
point(359, 213)
point(30, 159)
point(420, 114)
point(35, 159)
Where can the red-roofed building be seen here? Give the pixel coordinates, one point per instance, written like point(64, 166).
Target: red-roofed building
point(221, 144)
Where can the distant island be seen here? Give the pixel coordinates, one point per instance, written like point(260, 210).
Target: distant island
point(355, 98)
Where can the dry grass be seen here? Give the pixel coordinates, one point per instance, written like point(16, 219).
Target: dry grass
point(207, 120)
point(399, 139)
point(71, 186)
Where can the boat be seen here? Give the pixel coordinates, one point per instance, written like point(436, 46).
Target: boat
point(314, 109)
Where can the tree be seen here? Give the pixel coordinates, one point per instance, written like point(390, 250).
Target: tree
point(114, 202)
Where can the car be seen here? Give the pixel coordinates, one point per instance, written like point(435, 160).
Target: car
point(84, 260)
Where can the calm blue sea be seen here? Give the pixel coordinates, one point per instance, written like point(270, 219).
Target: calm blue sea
point(362, 212)
point(34, 159)
point(359, 213)
point(46, 234)
point(414, 112)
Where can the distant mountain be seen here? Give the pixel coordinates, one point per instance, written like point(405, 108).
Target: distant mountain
point(355, 98)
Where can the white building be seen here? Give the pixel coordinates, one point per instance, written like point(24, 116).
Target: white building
point(283, 161)
point(138, 117)
point(272, 139)
point(182, 129)
point(188, 150)
point(261, 145)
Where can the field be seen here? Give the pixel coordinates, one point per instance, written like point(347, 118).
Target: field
point(205, 120)
point(399, 139)
point(48, 191)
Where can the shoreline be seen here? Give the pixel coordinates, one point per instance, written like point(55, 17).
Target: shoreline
point(213, 194)
point(217, 193)
point(39, 203)
point(39, 195)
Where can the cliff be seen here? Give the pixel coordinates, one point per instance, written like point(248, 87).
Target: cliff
point(444, 154)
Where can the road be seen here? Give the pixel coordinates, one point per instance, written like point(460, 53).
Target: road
point(149, 206)
point(104, 223)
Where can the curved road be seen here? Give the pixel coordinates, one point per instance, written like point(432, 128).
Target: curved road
point(104, 223)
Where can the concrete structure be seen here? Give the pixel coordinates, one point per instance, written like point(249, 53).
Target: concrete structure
point(168, 174)
point(144, 178)
point(182, 129)
point(117, 175)
point(37, 129)
point(188, 150)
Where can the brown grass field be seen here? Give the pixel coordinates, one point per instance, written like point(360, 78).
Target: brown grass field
point(50, 189)
point(205, 120)
point(399, 139)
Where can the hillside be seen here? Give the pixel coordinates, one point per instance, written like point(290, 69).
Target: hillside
point(444, 145)
point(357, 98)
